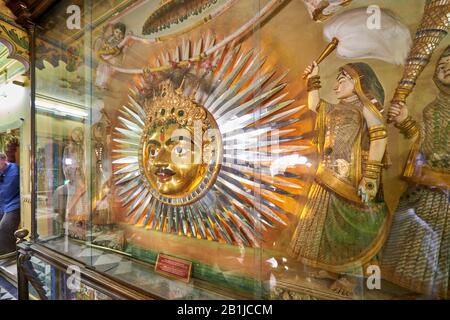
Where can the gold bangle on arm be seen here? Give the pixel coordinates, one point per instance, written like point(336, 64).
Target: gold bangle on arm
point(408, 127)
point(110, 51)
point(377, 132)
point(371, 174)
point(373, 169)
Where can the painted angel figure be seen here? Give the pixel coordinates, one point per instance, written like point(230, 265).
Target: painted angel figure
point(110, 48)
point(417, 253)
point(344, 222)
point(109, 51)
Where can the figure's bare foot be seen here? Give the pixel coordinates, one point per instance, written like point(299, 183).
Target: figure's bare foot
point(323, 274)
point(343, 286)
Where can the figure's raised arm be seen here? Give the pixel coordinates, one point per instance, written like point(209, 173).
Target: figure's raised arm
point(131, 38)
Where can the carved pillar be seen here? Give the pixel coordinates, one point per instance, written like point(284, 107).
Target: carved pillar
point(25, 270)
point(22, 283)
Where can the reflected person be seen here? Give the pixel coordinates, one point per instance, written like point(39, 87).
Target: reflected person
point(9, 204)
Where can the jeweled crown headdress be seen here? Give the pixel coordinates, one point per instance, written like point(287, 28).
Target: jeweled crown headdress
point(169, 106)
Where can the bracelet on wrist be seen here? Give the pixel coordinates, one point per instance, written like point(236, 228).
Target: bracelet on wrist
point(373, 169)
point(313, 83)
point(408, 127)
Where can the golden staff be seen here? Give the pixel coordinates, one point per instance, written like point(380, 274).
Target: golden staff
point(433, 28)
point(328, 50)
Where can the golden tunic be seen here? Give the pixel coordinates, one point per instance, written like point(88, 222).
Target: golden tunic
point(336, 231)
point(417, 253)
point(341, 163)
point(429, 159)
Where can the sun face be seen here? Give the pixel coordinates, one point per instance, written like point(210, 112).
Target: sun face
point(178, 155)
point(200, 161)
point(169, 162)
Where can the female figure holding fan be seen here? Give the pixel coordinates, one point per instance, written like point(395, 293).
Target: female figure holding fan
point(344, 222)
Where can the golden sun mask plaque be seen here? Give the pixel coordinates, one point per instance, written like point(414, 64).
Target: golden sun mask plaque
point(212, 159)
point(181, 148)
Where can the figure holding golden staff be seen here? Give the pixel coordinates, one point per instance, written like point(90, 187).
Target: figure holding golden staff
point(417, 254)
point(432, 30)
point(344, 222)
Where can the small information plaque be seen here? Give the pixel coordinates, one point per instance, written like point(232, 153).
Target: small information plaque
point(174, 267)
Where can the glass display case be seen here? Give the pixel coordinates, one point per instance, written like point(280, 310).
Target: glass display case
point(180, 154)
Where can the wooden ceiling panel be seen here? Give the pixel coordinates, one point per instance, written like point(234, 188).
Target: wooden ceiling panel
point(26, 10)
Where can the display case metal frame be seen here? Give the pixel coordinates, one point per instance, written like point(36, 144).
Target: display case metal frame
point(114, 288)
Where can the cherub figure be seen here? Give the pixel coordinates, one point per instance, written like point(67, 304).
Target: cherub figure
point(110, 48)
point(110, 51)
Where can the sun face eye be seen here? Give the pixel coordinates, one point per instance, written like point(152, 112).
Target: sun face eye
point(180, 151)
point(152, 151)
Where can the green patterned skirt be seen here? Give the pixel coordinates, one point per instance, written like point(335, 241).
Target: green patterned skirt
point(337, 235)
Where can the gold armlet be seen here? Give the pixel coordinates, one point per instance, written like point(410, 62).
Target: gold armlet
point(373, 169)
point(109, 51)
point(408, 127)
point(314, 83)
point(377, 133)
